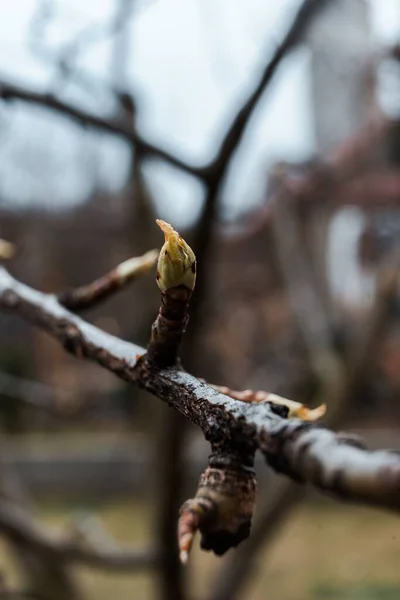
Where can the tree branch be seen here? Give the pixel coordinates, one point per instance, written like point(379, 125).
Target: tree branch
point(303, 19)
point(18, 526)
point(215, 171)
point(10, 91)
point(91, 294)
point(309, 454)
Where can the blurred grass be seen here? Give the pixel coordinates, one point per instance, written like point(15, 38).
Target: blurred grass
point(362, 592)
point(326, 551)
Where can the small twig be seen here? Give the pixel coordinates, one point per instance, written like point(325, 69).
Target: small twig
point(93, 293)
point(19, 527)
point(93, 33)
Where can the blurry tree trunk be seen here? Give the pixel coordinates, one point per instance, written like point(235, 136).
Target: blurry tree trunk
point(137, 202)
point(171, 478)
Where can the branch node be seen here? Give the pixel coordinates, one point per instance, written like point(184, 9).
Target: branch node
point(222, 508)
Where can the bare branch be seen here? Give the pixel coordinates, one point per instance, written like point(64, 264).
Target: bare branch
point(336, 463)
point(11, 91)
point(92, 33)
point(310, 313)
point(18, 526)
point(303, 19)
point(100, 289)
point(76, 335)
point(215, 171)
point(328, 461)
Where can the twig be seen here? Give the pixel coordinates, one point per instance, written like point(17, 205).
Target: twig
point(303, 19)
point(91, 34)
point(65, 59)
point(19, 527)
point(11, 91)
point(89, 295)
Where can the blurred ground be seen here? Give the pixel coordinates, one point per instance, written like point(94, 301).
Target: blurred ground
point(326, 551)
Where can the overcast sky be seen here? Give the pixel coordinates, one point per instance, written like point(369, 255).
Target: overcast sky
point(190, 64)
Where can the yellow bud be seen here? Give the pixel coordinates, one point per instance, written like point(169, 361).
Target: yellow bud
point(177, 262)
